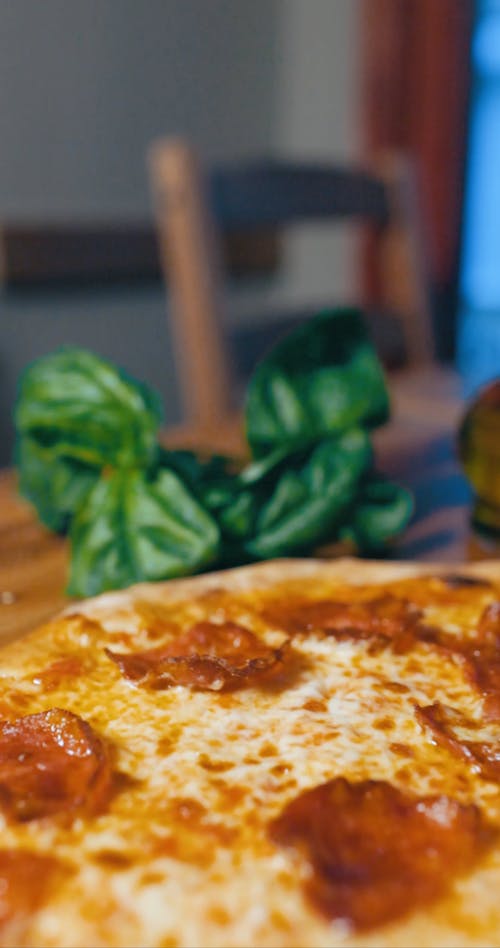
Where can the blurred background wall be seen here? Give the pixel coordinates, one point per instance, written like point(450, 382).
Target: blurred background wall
point(86, 86)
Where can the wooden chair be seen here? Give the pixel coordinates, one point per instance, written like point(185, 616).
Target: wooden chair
point(192, 209)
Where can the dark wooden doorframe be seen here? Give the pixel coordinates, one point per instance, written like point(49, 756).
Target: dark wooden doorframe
point(415, 87)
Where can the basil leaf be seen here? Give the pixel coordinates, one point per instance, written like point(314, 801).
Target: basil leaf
point(259, 470)
point(56, 486)
point(308, 501)
point(381, 511)
point(201, 474)
point(132, 528)
point(82, 407)
point(215, 484)
point(320, 380)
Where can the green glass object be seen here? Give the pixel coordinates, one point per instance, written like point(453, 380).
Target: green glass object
point(479, 451)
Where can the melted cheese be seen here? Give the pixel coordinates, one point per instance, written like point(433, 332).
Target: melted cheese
point(183, 856)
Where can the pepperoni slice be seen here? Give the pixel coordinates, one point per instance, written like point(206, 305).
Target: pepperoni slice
point(24, 880)
point(209, 656)
point(51, 763)
point(482, 657)
point(452, 730)
point(376, 853)
point(386, 618)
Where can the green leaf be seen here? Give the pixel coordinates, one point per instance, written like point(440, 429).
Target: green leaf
point(213, 480)
point(132, 528)
point(381, 511)
point(320, 380)
point(195, 469)
point(308, 501)
point(82, 407)
point(258, 471)
point(280, 504)
point(238, 515)
point(56, 486)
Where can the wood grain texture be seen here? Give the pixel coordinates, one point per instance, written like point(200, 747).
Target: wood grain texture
point(32, 565)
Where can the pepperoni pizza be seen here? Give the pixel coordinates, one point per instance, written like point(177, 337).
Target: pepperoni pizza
point(295, 753)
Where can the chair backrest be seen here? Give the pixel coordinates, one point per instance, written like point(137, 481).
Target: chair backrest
point(192, 207)
point(277, 193)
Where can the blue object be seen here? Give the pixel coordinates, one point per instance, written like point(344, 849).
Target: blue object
point(479, 316)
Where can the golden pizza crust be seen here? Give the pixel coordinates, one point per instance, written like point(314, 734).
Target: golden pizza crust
point(261, 575)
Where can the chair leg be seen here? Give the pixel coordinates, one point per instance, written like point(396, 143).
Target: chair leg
point(190, 263)
point(404, 273)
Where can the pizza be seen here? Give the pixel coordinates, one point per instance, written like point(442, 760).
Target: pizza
point(293, 753)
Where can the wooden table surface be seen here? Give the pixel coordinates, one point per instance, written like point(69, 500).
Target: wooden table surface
point(417, 447)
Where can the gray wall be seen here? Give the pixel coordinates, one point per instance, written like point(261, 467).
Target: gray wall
point(85, 85)
point(317, 118)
